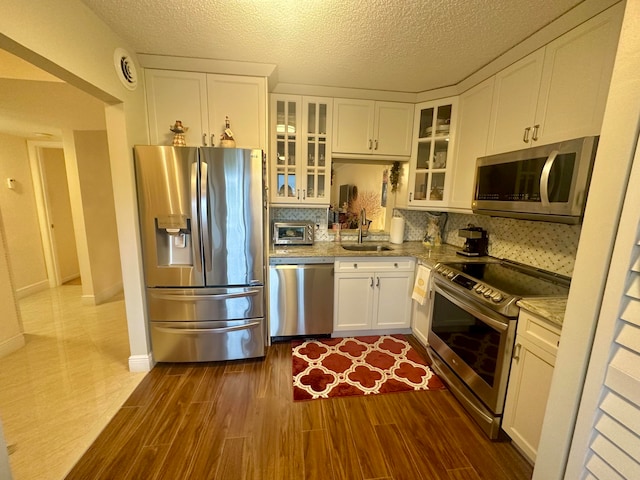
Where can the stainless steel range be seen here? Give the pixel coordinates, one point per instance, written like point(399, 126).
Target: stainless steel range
point(474, 315)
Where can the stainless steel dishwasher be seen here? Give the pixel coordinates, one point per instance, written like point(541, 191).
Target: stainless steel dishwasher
point(300, 296)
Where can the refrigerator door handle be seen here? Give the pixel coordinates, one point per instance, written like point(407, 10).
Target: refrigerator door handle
point(195, 237)
point(204, 212)
point(244, 326)
point(215, 296)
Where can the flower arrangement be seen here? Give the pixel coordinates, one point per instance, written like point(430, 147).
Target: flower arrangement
point(394, 176)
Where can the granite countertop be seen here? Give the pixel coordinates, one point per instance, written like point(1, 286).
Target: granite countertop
point(428, 255)
point(549, 308)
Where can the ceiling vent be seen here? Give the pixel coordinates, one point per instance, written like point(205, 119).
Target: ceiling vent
point(125, 68)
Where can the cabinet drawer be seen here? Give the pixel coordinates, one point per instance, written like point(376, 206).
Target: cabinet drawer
point(360, 264)
point(539, 331)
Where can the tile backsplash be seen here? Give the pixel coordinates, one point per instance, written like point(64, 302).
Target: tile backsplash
point(316, 215)
point(551, 246)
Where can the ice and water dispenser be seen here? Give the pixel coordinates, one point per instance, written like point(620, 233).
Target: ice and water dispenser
point(173, 240)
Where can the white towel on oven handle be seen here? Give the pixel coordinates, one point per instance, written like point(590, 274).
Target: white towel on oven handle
point(421, 285)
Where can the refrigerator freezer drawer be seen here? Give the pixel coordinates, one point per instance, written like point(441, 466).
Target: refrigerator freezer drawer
point(205, 304)
point(207, 341)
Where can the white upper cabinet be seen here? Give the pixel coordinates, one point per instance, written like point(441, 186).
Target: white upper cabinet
point(244, 101)
point(367, 127)
point(393, 128)
point(175, 96)
point(576, 76)
point(202, 102)
point(433, 150)
point(471, 142)
point(514, 104)
point(558, 92)
point(301, 150)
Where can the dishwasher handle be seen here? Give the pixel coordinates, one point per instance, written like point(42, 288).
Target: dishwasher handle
point(305, 266)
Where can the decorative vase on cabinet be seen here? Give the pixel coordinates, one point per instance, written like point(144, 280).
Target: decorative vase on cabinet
point(432, 152)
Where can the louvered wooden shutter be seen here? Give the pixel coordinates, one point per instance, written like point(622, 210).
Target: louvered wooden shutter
point(614, 452)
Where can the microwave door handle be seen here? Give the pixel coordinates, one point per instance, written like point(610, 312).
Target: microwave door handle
point(204, 209)
point(195, 224)
point(544, 178)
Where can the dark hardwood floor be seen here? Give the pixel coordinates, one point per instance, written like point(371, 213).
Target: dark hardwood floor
point(237, 420)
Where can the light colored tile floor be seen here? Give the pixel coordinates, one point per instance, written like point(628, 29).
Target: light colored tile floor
point(60, 390)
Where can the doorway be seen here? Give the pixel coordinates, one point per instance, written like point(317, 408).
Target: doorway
point(55, 217)
point(79, 347)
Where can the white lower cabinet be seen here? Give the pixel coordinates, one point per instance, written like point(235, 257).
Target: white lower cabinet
point(372, 294)
point(421, 317)
point(534, 358)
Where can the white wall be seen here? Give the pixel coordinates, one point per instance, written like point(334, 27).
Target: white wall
point(20, 217)
point(94, 172)
point(5, 470)
point(68, 40)
point(11, 331)
point(602, 216)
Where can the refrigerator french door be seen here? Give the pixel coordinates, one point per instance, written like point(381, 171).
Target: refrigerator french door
point(201, 220)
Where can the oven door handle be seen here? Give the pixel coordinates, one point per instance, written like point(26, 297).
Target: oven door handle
point(480, 311)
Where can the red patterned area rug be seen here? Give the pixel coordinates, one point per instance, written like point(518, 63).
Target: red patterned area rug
point(340, 367)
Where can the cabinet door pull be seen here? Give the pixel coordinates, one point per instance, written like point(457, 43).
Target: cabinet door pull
point(304, 194)
point(525, 137)
point(204, 139)
point(534, 135)
point(378, 282)
point(395, 265)
point(371, 282)
point(410, 196)
point(355, 265)
point(375, 144)
point(212, 138)
point(369, 144)
point(516, 352)
point(298, 194)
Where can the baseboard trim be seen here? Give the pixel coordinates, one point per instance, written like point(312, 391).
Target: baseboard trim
point(108, 293)
point(68, 278)
point(12, 344)
point(364, 333)
point(102, 296)
point(141, 363)
point(33, 288)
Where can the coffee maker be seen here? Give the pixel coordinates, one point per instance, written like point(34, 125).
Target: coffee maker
point(476, 243)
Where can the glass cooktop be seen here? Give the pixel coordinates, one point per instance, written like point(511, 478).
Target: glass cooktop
point(515, 279)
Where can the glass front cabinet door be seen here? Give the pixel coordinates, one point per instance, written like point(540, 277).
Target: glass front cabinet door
point(285, 113)
point(301, 168)
point(434, 133)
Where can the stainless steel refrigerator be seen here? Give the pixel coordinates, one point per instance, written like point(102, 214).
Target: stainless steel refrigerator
point(202, 227)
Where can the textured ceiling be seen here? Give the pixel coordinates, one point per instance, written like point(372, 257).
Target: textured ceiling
point(398, 45)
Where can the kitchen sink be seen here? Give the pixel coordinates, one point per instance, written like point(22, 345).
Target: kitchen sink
point(366, 248)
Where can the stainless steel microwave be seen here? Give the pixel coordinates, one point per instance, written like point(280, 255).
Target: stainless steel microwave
point(293, 233)
point(548, 183)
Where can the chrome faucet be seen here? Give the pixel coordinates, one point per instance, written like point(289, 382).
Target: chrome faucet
point(362, 223)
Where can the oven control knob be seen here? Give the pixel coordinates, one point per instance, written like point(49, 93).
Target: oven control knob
point(450, 275)
point(480, 289)
point(487, 293)
point(497, 297)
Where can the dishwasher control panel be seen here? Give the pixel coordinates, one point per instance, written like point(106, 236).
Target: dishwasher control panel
point(299, 260)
